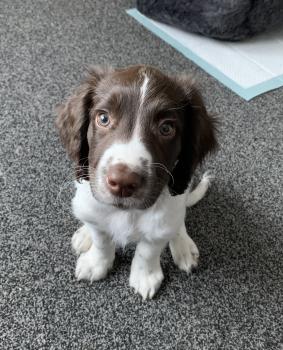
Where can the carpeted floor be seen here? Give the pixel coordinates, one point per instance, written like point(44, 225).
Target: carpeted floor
point(232, 301)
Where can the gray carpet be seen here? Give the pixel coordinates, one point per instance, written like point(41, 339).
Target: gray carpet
point(232, 301)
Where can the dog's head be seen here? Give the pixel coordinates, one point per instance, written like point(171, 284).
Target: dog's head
point(134, 131)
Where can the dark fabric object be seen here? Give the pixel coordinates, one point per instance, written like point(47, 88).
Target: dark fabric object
point(221, 19)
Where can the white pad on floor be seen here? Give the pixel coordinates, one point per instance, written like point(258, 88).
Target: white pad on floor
point(249, 68)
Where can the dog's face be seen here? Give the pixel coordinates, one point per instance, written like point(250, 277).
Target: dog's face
point(134, 131)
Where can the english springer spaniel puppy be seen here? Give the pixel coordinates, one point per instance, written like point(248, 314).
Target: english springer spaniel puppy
point(136, 136)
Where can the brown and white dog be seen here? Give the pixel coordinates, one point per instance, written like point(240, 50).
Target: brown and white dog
point(136, 135)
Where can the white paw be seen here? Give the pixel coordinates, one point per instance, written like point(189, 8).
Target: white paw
point(145, 279)
point(81, 240)
point(93, 265)
point(184, 252)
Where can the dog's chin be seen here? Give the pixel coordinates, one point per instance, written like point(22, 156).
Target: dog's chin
point(125, 203)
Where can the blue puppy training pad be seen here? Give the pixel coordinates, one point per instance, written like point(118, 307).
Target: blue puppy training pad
point(249, 68)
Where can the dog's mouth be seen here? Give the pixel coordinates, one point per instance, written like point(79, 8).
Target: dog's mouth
point(141, 202)
point(125, 203)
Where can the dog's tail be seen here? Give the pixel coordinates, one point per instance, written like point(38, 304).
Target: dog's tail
point(199, 192)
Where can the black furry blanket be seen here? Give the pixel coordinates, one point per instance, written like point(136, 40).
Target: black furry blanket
point(222, 19)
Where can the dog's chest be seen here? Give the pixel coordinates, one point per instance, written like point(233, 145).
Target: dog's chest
point(158, 222)
point(132, 226)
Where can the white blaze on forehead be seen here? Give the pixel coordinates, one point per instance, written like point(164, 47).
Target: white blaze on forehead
point(144, 88)
point(143, 92)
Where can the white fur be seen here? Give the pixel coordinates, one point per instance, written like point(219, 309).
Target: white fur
point(144, 89)
point(184, 250)
point(128, 153)
point(94, 264)
point(146, 273)
point(143, 93)
point(199, 192)
point(152, 228)
point(81, 240)
point(124, 226)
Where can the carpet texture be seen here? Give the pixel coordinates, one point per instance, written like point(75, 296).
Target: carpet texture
point(232, 301)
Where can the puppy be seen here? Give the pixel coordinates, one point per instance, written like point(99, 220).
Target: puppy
point(136, 136)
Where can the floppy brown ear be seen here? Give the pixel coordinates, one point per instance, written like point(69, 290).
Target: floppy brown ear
point(73, 119)
point(198, 138)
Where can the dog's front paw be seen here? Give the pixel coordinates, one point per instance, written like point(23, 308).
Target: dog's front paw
point(184, 252)
point(93, 265)
point(81, 240)
point(145, 279)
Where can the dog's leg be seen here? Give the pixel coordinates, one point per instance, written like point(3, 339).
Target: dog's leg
point(94, 264)
point(184, 250)
point(81, 240)
point(146, 274)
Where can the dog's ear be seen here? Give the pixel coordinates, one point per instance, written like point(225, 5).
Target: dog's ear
point(73, 119)
point(198, 137)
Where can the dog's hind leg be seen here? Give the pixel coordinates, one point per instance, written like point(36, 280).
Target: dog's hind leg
point(184, 250)
point(81, 240)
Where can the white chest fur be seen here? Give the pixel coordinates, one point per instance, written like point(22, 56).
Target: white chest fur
point(161, 221)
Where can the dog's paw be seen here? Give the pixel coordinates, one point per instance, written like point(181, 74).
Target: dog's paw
point(81, 240)
point(184, 252)
point(145, 280)
point(92, 265)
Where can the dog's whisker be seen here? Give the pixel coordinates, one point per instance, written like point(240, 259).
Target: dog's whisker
point(62, 187)
point(162, 166)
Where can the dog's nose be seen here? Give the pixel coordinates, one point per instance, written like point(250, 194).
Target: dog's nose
point(122, 181)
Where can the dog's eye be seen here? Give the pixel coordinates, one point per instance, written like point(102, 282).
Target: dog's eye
point(103, 119)
point(167, 129)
